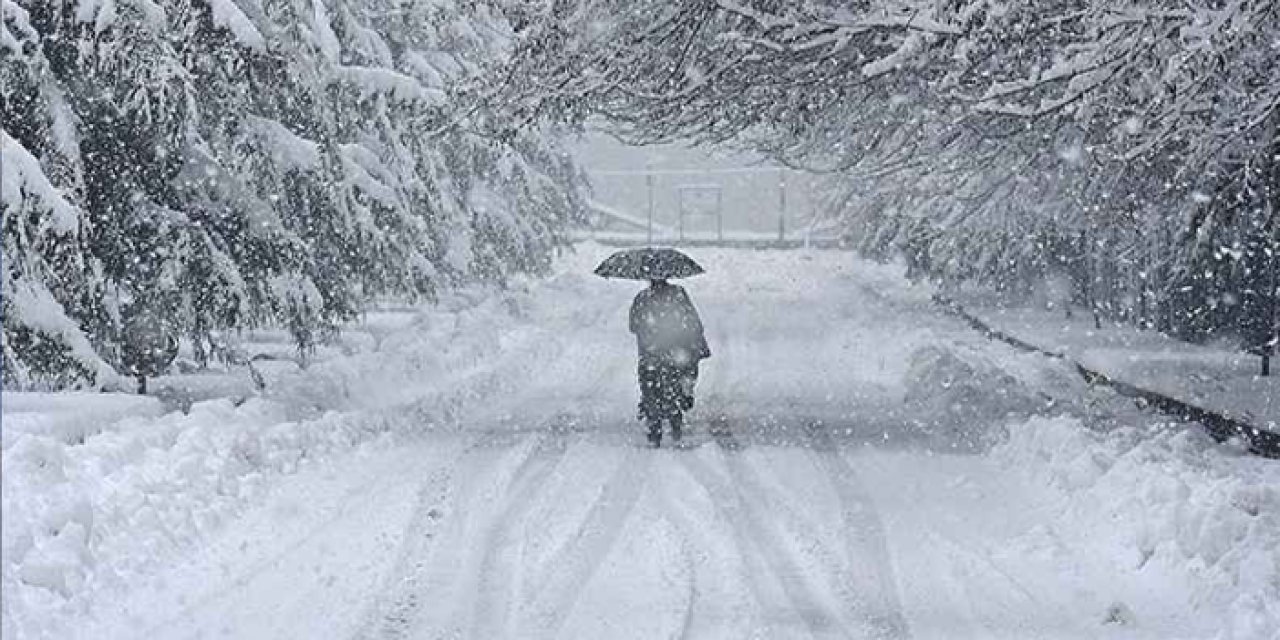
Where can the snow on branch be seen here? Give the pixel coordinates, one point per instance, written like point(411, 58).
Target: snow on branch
point(287, 149)
point(29, 304)
point(372, 81)
point(363, 169)
point(24, 179)
point(14, 18)
point(227, 14)
point(911, 45)
point(325, 39)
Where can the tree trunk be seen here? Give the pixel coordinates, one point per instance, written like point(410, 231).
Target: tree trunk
point(142, 385)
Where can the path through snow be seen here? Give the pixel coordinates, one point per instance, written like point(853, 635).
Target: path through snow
point(810, 500)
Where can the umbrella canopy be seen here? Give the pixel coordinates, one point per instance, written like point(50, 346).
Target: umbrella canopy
point(648, 264)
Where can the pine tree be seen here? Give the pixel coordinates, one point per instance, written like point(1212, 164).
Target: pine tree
point(214, 165)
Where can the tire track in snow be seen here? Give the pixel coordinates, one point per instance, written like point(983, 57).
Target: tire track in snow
point(749, 527)
point(698, 622)
point(867, 589)
point(692, 596)
point(272, 562)
point(680, 521)
point(751, 530)
point(865, 539)
point(797, 527)
point(399, 613)
point(435, 567)
point(493, 578)
point(497, 575)
point(577, 560)
point(753, 572)
point(394, 614)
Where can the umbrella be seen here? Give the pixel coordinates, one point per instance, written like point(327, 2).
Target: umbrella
point(648, 264)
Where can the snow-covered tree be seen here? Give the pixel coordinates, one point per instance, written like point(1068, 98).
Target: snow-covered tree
point(219, 164)
point(48, 280)
point(960, 129)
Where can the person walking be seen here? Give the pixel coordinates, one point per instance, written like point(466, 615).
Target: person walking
point(671, 343)
point(669, 334)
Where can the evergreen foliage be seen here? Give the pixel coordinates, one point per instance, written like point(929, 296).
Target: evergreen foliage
point(220, 164)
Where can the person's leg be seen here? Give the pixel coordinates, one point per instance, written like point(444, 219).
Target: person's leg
point(651, 399)
point(655, 432)
point(644, 375)
point(670, 389)
point(677, 426)
point(688, 381)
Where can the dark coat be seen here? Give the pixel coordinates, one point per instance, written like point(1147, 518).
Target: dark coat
point(667, 326)
point(671, 342)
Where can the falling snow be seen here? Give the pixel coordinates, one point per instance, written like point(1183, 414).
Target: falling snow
point(302, 339)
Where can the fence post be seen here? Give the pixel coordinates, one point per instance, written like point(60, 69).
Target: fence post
point(648, 179)
point(720, 215)
point(680, 209)
point(782, 204)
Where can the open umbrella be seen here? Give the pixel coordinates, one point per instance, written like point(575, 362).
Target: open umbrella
point(648, 264)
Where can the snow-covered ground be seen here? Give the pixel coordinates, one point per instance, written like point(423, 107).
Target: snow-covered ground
point(1218, 377)
point(859, 466)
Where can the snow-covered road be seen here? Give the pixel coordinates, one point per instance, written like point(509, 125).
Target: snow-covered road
point(824, 492)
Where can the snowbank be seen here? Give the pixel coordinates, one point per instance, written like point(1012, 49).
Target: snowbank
point(91, 510)
point(962, 397)
point(1164, 505)
point(68, 417)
